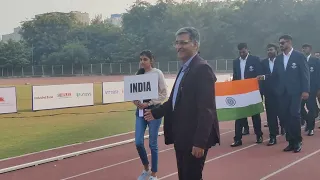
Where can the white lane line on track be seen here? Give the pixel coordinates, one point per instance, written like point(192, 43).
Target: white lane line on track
point(61, 147)
point(123, 162)
point(224, 155)
point(290, 165)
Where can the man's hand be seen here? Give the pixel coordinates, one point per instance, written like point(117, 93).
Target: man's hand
point(261, 77)
point(148, 115)
point(197, 152)
point(305, 95)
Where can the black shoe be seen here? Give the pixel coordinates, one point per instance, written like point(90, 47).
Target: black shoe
point(297, 147)
point(272, 141)
point(310, 133)
point(259, 139)
point(288, 148)
point(245, 132)
point(236, 143)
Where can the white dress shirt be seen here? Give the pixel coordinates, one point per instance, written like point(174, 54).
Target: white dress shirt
point(243, 65)
point(308, 58)
point(271, 64)
point(286, 58)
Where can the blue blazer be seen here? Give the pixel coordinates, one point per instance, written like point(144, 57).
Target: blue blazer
point(295, 79)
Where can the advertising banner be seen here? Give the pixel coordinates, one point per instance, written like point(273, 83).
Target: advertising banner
point(112, 92)
point(62, 96)
point(8, 100)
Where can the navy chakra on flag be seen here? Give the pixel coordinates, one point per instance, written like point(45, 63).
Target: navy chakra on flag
point(231, 101)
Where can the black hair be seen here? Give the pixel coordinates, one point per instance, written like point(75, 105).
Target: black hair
point(306, 46)
point(272, 45)
point(148, 54)
point(285, 37)
point(242, 45)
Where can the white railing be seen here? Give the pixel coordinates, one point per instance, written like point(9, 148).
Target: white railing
point(170, 67)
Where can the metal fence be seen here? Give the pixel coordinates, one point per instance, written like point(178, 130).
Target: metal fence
point(170, 67)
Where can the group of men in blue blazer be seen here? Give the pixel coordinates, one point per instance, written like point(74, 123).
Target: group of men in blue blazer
point(289, 85)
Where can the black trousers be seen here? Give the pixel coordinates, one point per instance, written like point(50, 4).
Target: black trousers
point(290, 114)
point(246, 124)
point(271, 103)
point(190, 167)
point(312, 107)
point(240, 123)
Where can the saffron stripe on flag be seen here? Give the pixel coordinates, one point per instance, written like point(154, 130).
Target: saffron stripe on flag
point(236, 87)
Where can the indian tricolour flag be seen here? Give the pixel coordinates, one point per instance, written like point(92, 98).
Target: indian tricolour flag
point(238, 99)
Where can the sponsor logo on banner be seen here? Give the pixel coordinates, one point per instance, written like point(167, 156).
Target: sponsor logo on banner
point(113, 92)
point(64, 95)
point(83, 94)
point(3, 102)
point(43, 97)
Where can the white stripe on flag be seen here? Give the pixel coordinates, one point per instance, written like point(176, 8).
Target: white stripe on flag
point(238, 100)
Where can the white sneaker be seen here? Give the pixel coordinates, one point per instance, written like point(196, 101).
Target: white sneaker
point(144, 175)
point(153, 178)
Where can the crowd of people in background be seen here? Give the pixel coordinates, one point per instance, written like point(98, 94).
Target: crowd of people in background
point(290, 88)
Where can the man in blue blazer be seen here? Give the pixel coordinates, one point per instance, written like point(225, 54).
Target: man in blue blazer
point(245, 67)
point(269, 88)
point(311, 103)
point(292, 71)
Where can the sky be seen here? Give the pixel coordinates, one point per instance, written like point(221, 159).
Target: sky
point(15, 11)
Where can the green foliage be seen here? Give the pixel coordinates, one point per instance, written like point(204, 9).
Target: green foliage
point(14, 54)
point(57, 38)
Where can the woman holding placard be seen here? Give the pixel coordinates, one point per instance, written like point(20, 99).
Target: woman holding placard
point(147, 66)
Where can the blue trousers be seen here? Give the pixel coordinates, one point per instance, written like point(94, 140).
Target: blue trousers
point(141, 126)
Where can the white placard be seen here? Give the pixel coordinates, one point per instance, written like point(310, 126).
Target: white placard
point(8, 100)
point(62, 96)
point(112, 92)
point(139, 87)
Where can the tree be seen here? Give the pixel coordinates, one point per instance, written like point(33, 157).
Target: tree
point(47, 33)
point(15, 54)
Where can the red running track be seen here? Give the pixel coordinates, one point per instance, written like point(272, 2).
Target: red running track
point(223, 162)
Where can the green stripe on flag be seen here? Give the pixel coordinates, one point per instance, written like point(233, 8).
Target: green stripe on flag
point(228, 114)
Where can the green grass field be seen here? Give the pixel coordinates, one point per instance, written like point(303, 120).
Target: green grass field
point(27, 131)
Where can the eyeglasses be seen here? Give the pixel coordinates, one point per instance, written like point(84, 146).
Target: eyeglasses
point(282, 42)
point(181, 43)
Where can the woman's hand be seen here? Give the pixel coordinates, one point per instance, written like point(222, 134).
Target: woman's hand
point(137, 103)
point(143, 105)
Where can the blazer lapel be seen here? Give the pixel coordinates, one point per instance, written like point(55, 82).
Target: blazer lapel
point(174, 84)
point(266, 63)
point(281, 63)
point(238, 68)
point(246, 66)
point(186, 73)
